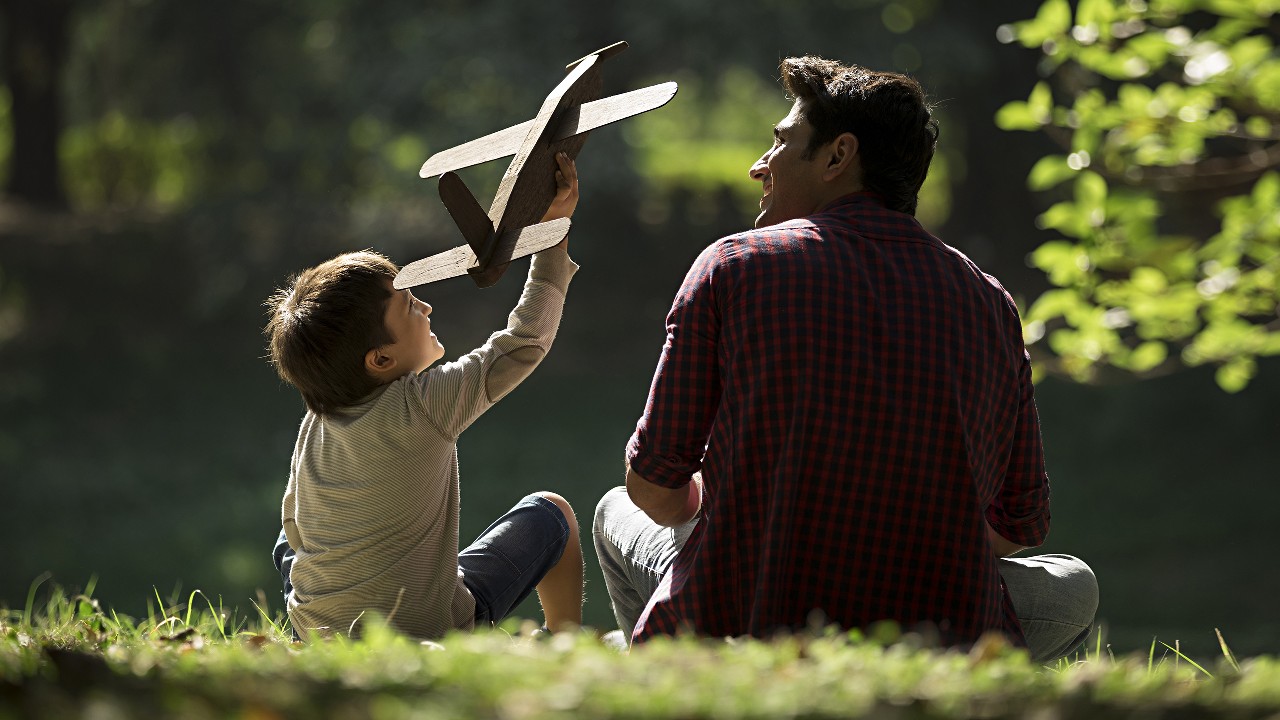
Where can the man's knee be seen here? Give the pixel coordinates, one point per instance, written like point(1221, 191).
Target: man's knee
point(606, 507)
point(1075, 587)
point(1061, 587)
point(1082, 585)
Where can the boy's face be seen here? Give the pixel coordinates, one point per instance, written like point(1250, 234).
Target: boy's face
point(413, 345)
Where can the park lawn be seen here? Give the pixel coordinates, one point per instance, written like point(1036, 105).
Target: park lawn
point(72, 659)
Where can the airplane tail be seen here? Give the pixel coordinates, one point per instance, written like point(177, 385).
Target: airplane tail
point(467, 214)
point(515, 244)
point(486, 255)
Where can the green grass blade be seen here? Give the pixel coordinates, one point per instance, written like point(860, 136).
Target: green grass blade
point(1226, 651)
point(1178, 653)
point(191, 605)
point(31, 597)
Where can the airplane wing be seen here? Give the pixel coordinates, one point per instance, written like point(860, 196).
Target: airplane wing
point(580, 119)
point(441, 266)
point(598, 113)
point(490, 147)
point(511, 245)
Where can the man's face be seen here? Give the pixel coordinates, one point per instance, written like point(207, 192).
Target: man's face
point(413, 344)
point(793, 186)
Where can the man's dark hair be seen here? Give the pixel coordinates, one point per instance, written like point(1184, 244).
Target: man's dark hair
point(887, 112)
point(324, 322)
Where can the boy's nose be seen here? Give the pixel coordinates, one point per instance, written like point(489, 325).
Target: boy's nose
point(760, 170)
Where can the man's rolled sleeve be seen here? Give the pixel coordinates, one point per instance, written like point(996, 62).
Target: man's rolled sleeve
point(669, 472)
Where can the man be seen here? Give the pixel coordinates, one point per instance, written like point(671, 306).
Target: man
point(841, 428)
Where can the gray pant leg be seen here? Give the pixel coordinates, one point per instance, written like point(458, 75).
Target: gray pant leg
point(1055, 598)
point(634, 554)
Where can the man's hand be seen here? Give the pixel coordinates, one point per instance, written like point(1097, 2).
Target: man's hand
point(566, 200)
point(669, 507)
point(1000, 545)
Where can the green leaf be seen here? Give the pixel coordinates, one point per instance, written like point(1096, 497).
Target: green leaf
point(1040, 102)
point(1056, 303)
point(1148, 280)
point(1016, 115)
point(1236, 374)
point(1051, 22)
point(1258, 127)
point(1091, 197)
point(1097, 13)
point(1266, 192)
point(1250, 51)
point(1048, 172)
point(1066, 218)
point(1147, 356)
point(1054, 17)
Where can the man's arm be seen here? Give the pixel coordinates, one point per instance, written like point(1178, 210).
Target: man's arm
point(664, 456)
point(1018, 516)
point(669, 507)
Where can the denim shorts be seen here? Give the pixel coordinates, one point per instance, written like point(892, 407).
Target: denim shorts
point(508, 560)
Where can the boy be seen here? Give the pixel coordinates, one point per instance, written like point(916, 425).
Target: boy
point(370, 513)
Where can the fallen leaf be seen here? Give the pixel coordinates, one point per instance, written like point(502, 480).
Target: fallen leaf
point(179, 636)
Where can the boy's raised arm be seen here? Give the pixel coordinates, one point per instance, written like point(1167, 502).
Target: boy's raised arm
point(456, 393)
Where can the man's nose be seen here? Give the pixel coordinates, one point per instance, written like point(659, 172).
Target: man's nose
point(760, 170)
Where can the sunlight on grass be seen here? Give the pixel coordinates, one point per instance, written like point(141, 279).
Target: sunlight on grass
point(191, 657)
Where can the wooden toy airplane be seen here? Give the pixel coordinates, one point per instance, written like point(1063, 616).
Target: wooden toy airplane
point(510, 229)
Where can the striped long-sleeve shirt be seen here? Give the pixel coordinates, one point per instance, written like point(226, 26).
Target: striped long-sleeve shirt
point(372, 504)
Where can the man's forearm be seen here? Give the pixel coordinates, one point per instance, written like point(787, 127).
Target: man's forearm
point(1000, 545)
point(669, 507)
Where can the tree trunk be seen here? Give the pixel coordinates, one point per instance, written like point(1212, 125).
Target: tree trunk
point(35, 51)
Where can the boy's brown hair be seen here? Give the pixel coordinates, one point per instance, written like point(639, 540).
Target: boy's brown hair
point(324, 322)
point(887, 112)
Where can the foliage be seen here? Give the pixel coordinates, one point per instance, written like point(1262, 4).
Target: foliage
point(145, 438)
point(704, 145)
point(192, 659)
point(698, 145)
point(123, 162)
point(1163, 108)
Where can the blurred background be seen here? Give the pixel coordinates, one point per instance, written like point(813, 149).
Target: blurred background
point(167, 164)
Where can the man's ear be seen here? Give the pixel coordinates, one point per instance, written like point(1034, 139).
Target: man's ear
point(842, 156)
point(377, 362)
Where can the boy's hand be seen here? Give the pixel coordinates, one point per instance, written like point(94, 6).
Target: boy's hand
point(566, 200)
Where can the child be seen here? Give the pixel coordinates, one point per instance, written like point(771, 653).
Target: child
point(370, 513)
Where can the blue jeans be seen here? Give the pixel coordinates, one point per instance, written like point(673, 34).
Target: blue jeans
point(504, 564)
point(1054, 596)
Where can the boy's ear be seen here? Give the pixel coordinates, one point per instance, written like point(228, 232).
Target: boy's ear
point(842, 156)
point(378, 362)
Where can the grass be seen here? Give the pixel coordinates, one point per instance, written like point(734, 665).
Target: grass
point(191, 658)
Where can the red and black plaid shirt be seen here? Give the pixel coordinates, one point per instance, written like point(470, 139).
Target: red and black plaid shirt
point(858, 398)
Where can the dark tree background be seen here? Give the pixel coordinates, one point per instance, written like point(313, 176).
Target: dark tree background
point(203, 152)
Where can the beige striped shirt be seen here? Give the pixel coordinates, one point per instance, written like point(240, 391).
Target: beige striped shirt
point(371, 508)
